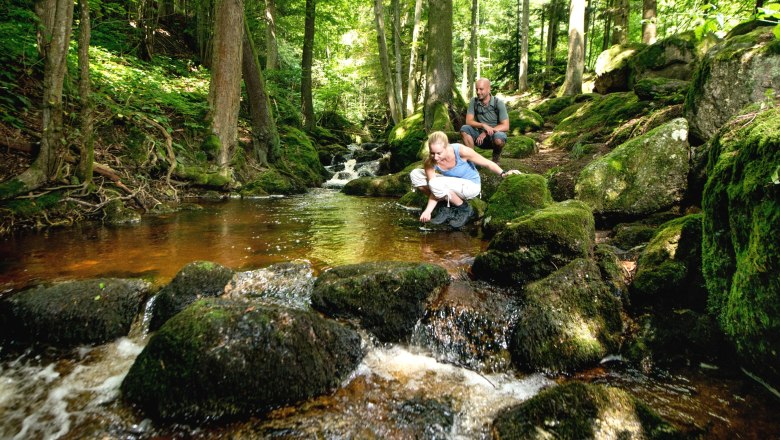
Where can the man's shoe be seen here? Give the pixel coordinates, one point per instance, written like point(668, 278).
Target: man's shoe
point(462, 215)
point(443, 214)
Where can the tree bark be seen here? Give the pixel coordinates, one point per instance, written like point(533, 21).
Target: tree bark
point(307, 103)
point(399, 82)
point(620, 27)
point(439, 74)
point(522, 77)
point(471, 72)
point(265, 136)
point(379, 21)
point(271, 45)
point(87, 155)
point(411, 89)
point(225, 88)
point(576, 61)
point(649, 14)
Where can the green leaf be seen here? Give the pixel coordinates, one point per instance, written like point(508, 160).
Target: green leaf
point(97, 297)
point(776, 31)
point(776, 176)
point(102, 286)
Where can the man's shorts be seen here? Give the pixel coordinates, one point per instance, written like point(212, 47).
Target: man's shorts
point(474, 133)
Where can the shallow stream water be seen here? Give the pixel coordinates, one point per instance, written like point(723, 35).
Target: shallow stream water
point(397, 392)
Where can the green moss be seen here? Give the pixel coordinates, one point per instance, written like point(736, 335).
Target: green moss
point(396, 184)
point(10, 188)
point(519, 146)
point(406, 140)
point(414, 199)
point(524, 120)
point(628, 235)
point(203, 176)
point(271, 181)
point(516, 196)
point(32, 207)
point(211, 146)
point(441, 118)
point(654, 56)
point(553, 106)
point(298, 159)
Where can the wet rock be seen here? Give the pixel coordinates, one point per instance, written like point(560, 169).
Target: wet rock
point(386, 297)
point(567, 321)
point(469, 324)
point(366, 155)
point(516, 196)
point(396, 184)
point(740, 246)
point(645, 175)
point(222, 358)
point(429, 419)
point(669, 269)
point(612, 271)
point(74, 312)
point(116, 213)
point(332, 154)
point(535, 245)
point(284, 284)
point(577, 410)
point(740, 70)
point(199, 279)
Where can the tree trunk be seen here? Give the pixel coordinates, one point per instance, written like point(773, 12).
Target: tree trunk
point(649, 13)
point(205, 30)
point(399, 82)
point(411, 91)
point(379, 21)
point(271, 45)
point(87, 155)
point(572, 86)
point(439, 74)
point(620, 27)
point(608, 13)
point(541, 36)
point(522, 80)
point(225, 88)
point(147, 17)
point(307, 104)
point(265, 137)
point(552, 33)
point(471, 73)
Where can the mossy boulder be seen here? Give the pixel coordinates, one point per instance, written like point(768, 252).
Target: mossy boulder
point(535, 245)
point(740, 246)
point(332, 154)
point(611, 268)
point(222, 359)
point(73, 312)
point(519, 146)
point(645, 175)
point(738, 71)
point(669, 269)
point(395, 185)
point(674, 57)
point(286, 284)
point(116, 213)
point(296, 157)
point(595, 120)
point(207, 176)
point(628, 235)
point(516, 196)
point(577, 410)
point(663, 91)
point(386, 297)
point(406, 140)
point(524, 120)
point(271, 181)
point(641, 125)
point(568, 320)
point(553, 106)
point(613, 68)
point(198, 279)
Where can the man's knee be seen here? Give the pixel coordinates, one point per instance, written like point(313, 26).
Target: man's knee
point(499, 139)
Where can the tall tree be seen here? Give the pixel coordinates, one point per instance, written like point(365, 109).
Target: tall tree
point(379, 21)
point(471, 73)
point(225, 87)
point(307, 103)
point(439, 75)
point(556, 10)
point(398, 89)
point(620, 27)
point(265, 136)
point(148, 18)
point(576, 62)
point(85, 96)
point(411, 89)
point(522, 70)
point(649, 13)
point(205, 30)
point(271, 45)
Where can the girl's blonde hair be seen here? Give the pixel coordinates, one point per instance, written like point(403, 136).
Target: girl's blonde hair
point(437, 137)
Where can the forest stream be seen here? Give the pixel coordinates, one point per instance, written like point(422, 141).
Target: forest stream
point(403, 390)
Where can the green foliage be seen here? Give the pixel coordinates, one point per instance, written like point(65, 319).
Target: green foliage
point(19, 59)
point(771, 11)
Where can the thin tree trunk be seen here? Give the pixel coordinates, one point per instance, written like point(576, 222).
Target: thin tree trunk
point(572, 85)
point(552, 33)
point(265, 136)
point(399, 82)
point(225, 88)
point(411, 92)
point(522, 83)
point(541, 37)
point(586, 35)
point(471, 74)
point(608, 13)
point(307, 103)
point(87, 155)
point(620, 28)
point(205, 30)
point(439, 73)
point(379, 21)
point(271, 45)
point(649, 14)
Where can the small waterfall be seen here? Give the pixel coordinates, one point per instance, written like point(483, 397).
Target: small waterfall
point(353, 167)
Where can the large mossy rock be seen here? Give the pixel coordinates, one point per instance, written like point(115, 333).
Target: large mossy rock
point(578, 410)
point(674, 57)
point(296, 157)
point(663, 91)
point(271, 181)
point(645, 175)
point(740, 246)
point(533, 246)
point(386, 297)
point(567, 321)
point(391, 185)
point(516, 196)
point(669, 269)
point(198, 279)
point(553, 106)
point(613, 68)
point(74, 312)
point(406, 140)
point(523, 120)
point(518, 147)
point(738, 71)
point(222, 358)
point(595, 120)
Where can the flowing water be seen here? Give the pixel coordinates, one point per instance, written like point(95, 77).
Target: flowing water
point(397, 392)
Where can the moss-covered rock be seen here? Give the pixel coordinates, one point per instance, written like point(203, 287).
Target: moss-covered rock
point(199, 279)
point(645, 175)
point(674, 57)
point(221, 358)
point(116, 213)
point(388, 297)
point(406, 140)
point(286, 284)
point(577, 410)
point(332, 153)
point(74, 312)
point(663, 91)
point(641, 125)
point(740, 246)
point(519, 146)
point(524, 120)
point(395, 185)
point(517, 196)
point(272, 181)
point(206, 176)
point(669, 269)
point(533, 246)
point(595, 121)
point(298, 159)
point(736, 72)
point(613, 68)
point(611, 268)
point(628, 235)
point(567, 321)
point(553, 106)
